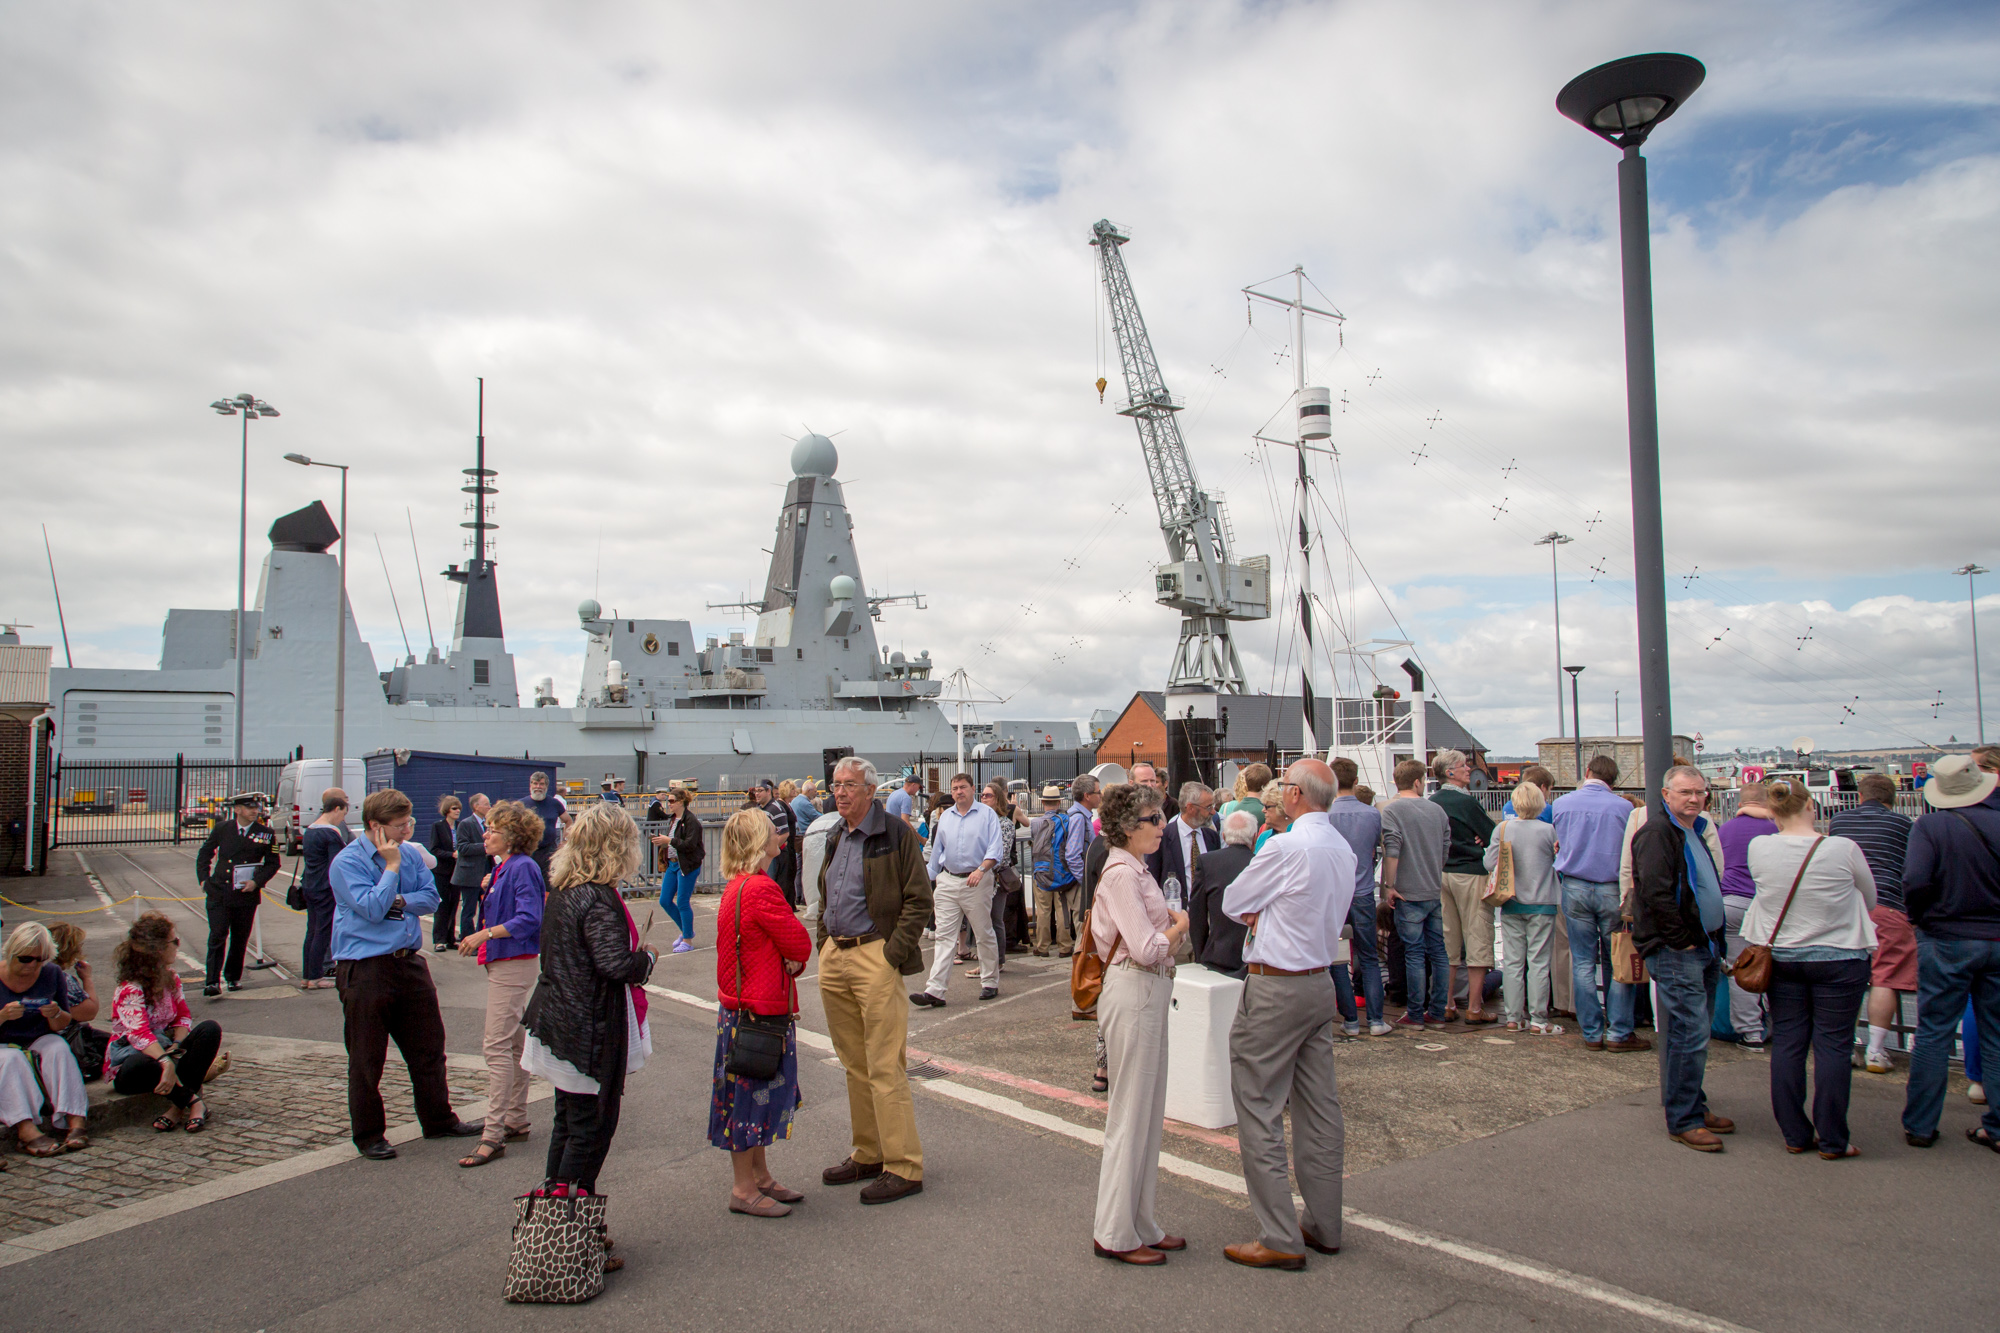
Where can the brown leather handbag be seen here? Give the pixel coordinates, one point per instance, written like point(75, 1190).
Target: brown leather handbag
point(1752, 969)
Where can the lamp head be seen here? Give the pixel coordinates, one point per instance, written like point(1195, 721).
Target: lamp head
point(1622, 101)
point(1572, 671)
point(300, 459)
point(223, 407)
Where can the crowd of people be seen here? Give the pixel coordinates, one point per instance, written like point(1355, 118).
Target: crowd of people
point(1328, 905)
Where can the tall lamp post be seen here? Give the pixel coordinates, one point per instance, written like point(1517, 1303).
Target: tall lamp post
point(1622, 102)
point(339, 626)
point(1576, 719)
point(1972, 604)
point(1552, 541)
point(249, 407)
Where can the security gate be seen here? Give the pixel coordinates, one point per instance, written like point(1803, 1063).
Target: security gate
point(103, 802)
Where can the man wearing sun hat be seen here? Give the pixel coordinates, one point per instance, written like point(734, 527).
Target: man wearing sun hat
point(1951, 886)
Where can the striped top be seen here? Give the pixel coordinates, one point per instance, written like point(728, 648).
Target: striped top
point(1883, 836)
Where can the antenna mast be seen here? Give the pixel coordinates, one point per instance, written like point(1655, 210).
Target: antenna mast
point(68, 661)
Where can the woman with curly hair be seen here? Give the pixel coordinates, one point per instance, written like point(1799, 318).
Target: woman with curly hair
point(759, 948)
point(156, 1046)
point(1134, 931)
point(586, 1025)
point(507, 947)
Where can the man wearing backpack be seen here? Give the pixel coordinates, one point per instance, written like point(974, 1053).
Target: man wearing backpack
point(1060, 838)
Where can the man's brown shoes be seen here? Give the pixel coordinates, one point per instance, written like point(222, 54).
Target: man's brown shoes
point(1700, 1140)
point(850, 1171)
point(1315, 1243)
point(1720, 1124)
point(889, 1187)
point(1256, 1254)
point(1145, 1256)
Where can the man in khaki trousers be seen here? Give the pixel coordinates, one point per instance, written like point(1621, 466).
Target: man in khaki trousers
point(874, 900)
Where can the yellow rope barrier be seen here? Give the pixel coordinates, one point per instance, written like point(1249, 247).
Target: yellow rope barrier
point(30, 907)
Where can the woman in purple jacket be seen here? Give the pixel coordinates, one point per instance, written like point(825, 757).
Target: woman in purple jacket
point(509, 946)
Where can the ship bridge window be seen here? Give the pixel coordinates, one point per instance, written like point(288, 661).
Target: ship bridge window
point(764, 655)
point(480, 671)
point(801, 652)
point(673, 648)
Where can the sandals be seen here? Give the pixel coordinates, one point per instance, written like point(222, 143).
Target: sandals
point(483, 1153)
point(47, 1145)
point(1546, 1029)
point(1979, 1136)
point(196, 1123)
point(164, 1123)
point(1100, 1082)
point(76, 1140)
point(761, 1206)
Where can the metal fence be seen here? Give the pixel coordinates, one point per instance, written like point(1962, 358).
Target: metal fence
point(103, 802)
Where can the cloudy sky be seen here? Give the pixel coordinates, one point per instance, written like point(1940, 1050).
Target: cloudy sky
point(673, 237)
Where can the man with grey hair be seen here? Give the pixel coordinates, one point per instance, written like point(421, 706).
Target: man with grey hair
point(1189, 834)
point(1147, 775)
point(1677, 925)
point(1293, 897)
point(1217, 940)
point(875, 899)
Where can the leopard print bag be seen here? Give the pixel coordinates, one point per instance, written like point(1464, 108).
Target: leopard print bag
point(558, 1254)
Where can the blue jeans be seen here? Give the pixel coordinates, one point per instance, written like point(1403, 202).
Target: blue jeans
point(1968, 1037)
point(677, 896)
point(1420, 926)
point(1685, 981)
point(1590, 916)
point(1949, 972)
point(1361, 916)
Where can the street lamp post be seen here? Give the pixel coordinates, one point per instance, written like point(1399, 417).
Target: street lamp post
point(1576, 720)
point(247, 406)
point(339, 626)
point(1972, 604)
point(1552, 541)
point(1622, 102)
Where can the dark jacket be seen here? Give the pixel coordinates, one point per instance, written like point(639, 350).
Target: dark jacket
point(686, 843)
point(319, 845)
point(1217, 941)
point(474, 864)
point(228, 846)
point(578, 1009)
point(1094, 857)
point(1471, 830)
point(1166, 858)
point(1665, 911)
point(894, 880)
point(444, 846)
point(1951, 879)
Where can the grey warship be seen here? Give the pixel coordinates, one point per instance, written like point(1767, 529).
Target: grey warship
point(653, 704)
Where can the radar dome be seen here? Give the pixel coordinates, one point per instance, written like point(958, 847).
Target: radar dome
point(588, 610)
point(814, 456)
point(841, 589)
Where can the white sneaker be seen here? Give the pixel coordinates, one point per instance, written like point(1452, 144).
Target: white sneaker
point(1379, 1029)
point(1976, 1093)
point(1351, 1029)
point(1878, 1062)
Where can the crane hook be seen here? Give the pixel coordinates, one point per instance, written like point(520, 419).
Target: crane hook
point(1100, 388)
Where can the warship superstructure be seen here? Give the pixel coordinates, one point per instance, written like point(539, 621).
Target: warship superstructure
point(653, 702)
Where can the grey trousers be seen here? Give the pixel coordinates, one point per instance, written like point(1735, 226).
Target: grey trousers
point(1132, 1016)
point(1281, 1048)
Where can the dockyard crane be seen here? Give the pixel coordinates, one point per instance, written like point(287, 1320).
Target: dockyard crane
point(1199, 579)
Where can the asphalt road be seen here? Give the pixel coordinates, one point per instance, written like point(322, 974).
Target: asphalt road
point(1000, 1237)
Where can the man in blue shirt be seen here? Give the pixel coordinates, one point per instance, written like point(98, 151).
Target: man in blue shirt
point(903, 802)
point(970, 841)
point(1590, 839)
point(1361, 825)
point(380, 887)
point(550, 810)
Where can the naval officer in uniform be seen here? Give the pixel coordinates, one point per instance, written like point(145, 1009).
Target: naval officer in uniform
point(236, 861)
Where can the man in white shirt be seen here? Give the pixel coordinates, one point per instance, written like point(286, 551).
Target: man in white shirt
point(970, 841)
point(1294, 897)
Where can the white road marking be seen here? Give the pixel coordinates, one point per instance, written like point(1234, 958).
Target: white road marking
point(1573, 1284)
point(111, 910)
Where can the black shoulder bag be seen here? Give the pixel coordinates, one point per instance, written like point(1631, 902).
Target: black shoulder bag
point(756, 1041)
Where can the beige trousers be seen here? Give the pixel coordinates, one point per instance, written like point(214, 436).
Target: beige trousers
point(508, 983)
point(868, 1018)
point(1132, 1018)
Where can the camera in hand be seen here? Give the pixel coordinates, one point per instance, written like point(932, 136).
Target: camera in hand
point(395, 912)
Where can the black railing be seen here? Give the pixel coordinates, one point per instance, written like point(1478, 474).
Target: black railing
point(101, 802)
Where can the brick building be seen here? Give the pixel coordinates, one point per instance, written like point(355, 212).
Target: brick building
point(24, 697)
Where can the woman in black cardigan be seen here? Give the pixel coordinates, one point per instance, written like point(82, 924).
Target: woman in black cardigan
point(587, 1021)
point(444, 922)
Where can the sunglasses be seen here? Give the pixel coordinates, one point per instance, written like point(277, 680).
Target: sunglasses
point(1155, 819)
point(25, 958)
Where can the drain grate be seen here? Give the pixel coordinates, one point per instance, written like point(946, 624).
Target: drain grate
point(927, 1069)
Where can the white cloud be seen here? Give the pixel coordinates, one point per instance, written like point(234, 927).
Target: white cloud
point(669, 240)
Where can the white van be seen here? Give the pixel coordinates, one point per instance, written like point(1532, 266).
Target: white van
point(298, 801)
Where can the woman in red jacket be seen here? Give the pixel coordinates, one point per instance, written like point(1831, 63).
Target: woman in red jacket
point(759, 948)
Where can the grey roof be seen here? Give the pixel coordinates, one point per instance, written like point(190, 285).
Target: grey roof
point(1257, 719)
point(24, 674)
